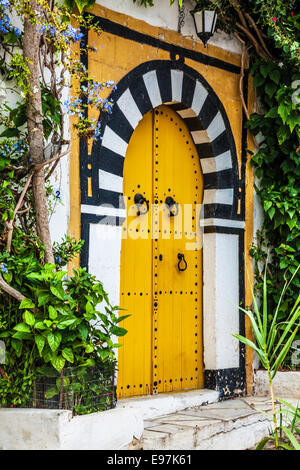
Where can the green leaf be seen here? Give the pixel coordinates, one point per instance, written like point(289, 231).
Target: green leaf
point(26, 303)
point(89, 308)
point(284, 446)
point(283, 133)
point(264, 69)
point(65, 382)
point(67, 353)
point(291, 438)
point(82, 4)
point(258, 80)
point(58, 292)
point(123, 318)
point(270, 89)
point(284, 111)
point(22, 327)
point(59, 275)
point(293, 120)
point(39, 325)
point(40, 342)
point(275, 76)
point(83, 331)
point(272, 113)
point(252, 346)
point(49, 267)
point(58, 363)
point(47, 354)
point(51, 392)
point(267, 205)
point(271, 212)
point(29, 318)
point(287, 404)
point(282, 354)
point(8, 277)
point(22, 335)
point(118, 331)
point(65, 323)
point(88, 363)
point(54, 340)
point(5, 334)
point(17, 345)
point(52, 312)
point(262, 443)
point(89, 348)
point(43, 299)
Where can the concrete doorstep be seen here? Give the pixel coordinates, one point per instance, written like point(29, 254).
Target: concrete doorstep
point(234, 424)
point(184, 421)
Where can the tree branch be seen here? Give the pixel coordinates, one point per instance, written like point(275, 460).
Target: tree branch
point(258, 49)
point(252, 22)
point(10, 290)
point(31, 50)
point(10, 223)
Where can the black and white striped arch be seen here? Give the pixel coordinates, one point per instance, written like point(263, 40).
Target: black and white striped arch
point(144, 88)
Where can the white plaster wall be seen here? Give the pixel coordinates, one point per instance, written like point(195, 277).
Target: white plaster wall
point(104, 261)
point(104, 258)
point(162, 15)
point(220, 300)
point(37, 429)
point(59, 217)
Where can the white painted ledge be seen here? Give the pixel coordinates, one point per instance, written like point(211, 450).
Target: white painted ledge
point(36, 429)
point(286, 384)
point(151, 406)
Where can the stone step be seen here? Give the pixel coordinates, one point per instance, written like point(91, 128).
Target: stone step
point(151, 406)
point(234, 424)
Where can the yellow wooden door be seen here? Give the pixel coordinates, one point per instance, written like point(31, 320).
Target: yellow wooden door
point(161, 260)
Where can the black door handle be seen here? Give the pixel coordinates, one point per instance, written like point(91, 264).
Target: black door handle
point(172, 206)
point(181, 258)
point(139, 201)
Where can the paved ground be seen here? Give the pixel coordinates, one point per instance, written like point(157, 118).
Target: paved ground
point(234, 424)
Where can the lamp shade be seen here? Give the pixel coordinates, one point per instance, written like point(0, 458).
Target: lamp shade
point(205, 23)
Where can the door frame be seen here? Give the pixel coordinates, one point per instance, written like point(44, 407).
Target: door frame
point(181, 87)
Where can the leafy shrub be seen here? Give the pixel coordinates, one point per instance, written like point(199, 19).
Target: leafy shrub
point(58, 324)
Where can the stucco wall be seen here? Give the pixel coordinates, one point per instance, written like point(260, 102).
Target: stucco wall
point(162, 15)
point(37, 429)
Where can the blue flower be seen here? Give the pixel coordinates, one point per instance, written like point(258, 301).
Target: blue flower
point(3, 268)
point(72, 34)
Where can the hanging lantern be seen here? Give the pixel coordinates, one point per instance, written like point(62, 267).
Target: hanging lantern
point(205, 23)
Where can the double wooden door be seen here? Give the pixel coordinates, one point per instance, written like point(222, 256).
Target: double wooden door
point(161, 260)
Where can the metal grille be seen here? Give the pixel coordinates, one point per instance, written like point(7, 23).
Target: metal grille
point(81, 390)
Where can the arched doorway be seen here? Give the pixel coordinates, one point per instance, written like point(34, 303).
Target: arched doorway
point(143, 89)
point(161, 259)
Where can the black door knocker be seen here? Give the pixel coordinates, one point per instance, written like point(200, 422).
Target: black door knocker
point(181, 258)
point(172, 206)
point(139, 201)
